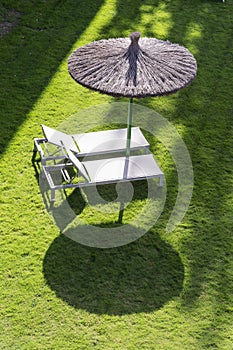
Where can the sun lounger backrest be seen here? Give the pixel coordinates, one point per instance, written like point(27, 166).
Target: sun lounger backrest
point(78, 165)
point(55, 137)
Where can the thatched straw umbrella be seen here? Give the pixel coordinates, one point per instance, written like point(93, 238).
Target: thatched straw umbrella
point(132, 67)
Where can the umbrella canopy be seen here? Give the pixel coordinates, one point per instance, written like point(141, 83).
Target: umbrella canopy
point(133, 67)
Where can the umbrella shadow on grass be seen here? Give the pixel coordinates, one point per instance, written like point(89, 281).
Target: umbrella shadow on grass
point(139, 277)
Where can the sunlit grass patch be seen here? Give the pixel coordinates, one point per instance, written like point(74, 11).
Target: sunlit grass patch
point(157, 19)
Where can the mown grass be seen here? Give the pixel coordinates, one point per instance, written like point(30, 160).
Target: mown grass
point(164, 291)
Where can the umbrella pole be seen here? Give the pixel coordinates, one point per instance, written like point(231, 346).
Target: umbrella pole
point(129, 124)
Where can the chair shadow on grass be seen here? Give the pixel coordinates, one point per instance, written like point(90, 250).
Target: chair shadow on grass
point(139, 277)
point(73, 202)
point(107, 204)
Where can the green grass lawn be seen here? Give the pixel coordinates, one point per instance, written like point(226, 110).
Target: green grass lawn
point(165, 290)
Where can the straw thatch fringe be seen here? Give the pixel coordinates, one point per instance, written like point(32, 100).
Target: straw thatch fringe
point(133, 68)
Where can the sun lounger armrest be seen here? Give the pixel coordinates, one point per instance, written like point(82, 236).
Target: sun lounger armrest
point(37, 146)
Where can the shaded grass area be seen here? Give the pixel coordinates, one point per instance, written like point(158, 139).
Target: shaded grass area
point(164, 291)
point(33, 51)
point(136, 278)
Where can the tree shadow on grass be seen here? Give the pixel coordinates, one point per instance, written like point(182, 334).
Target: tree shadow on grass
point(204, 110)
point(139, 277)
point(32, 52)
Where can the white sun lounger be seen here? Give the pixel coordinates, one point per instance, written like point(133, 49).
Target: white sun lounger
point(91, 143)
point(101, 171)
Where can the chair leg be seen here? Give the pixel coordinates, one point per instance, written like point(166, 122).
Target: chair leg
point(53, 196)
point(160, 181)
